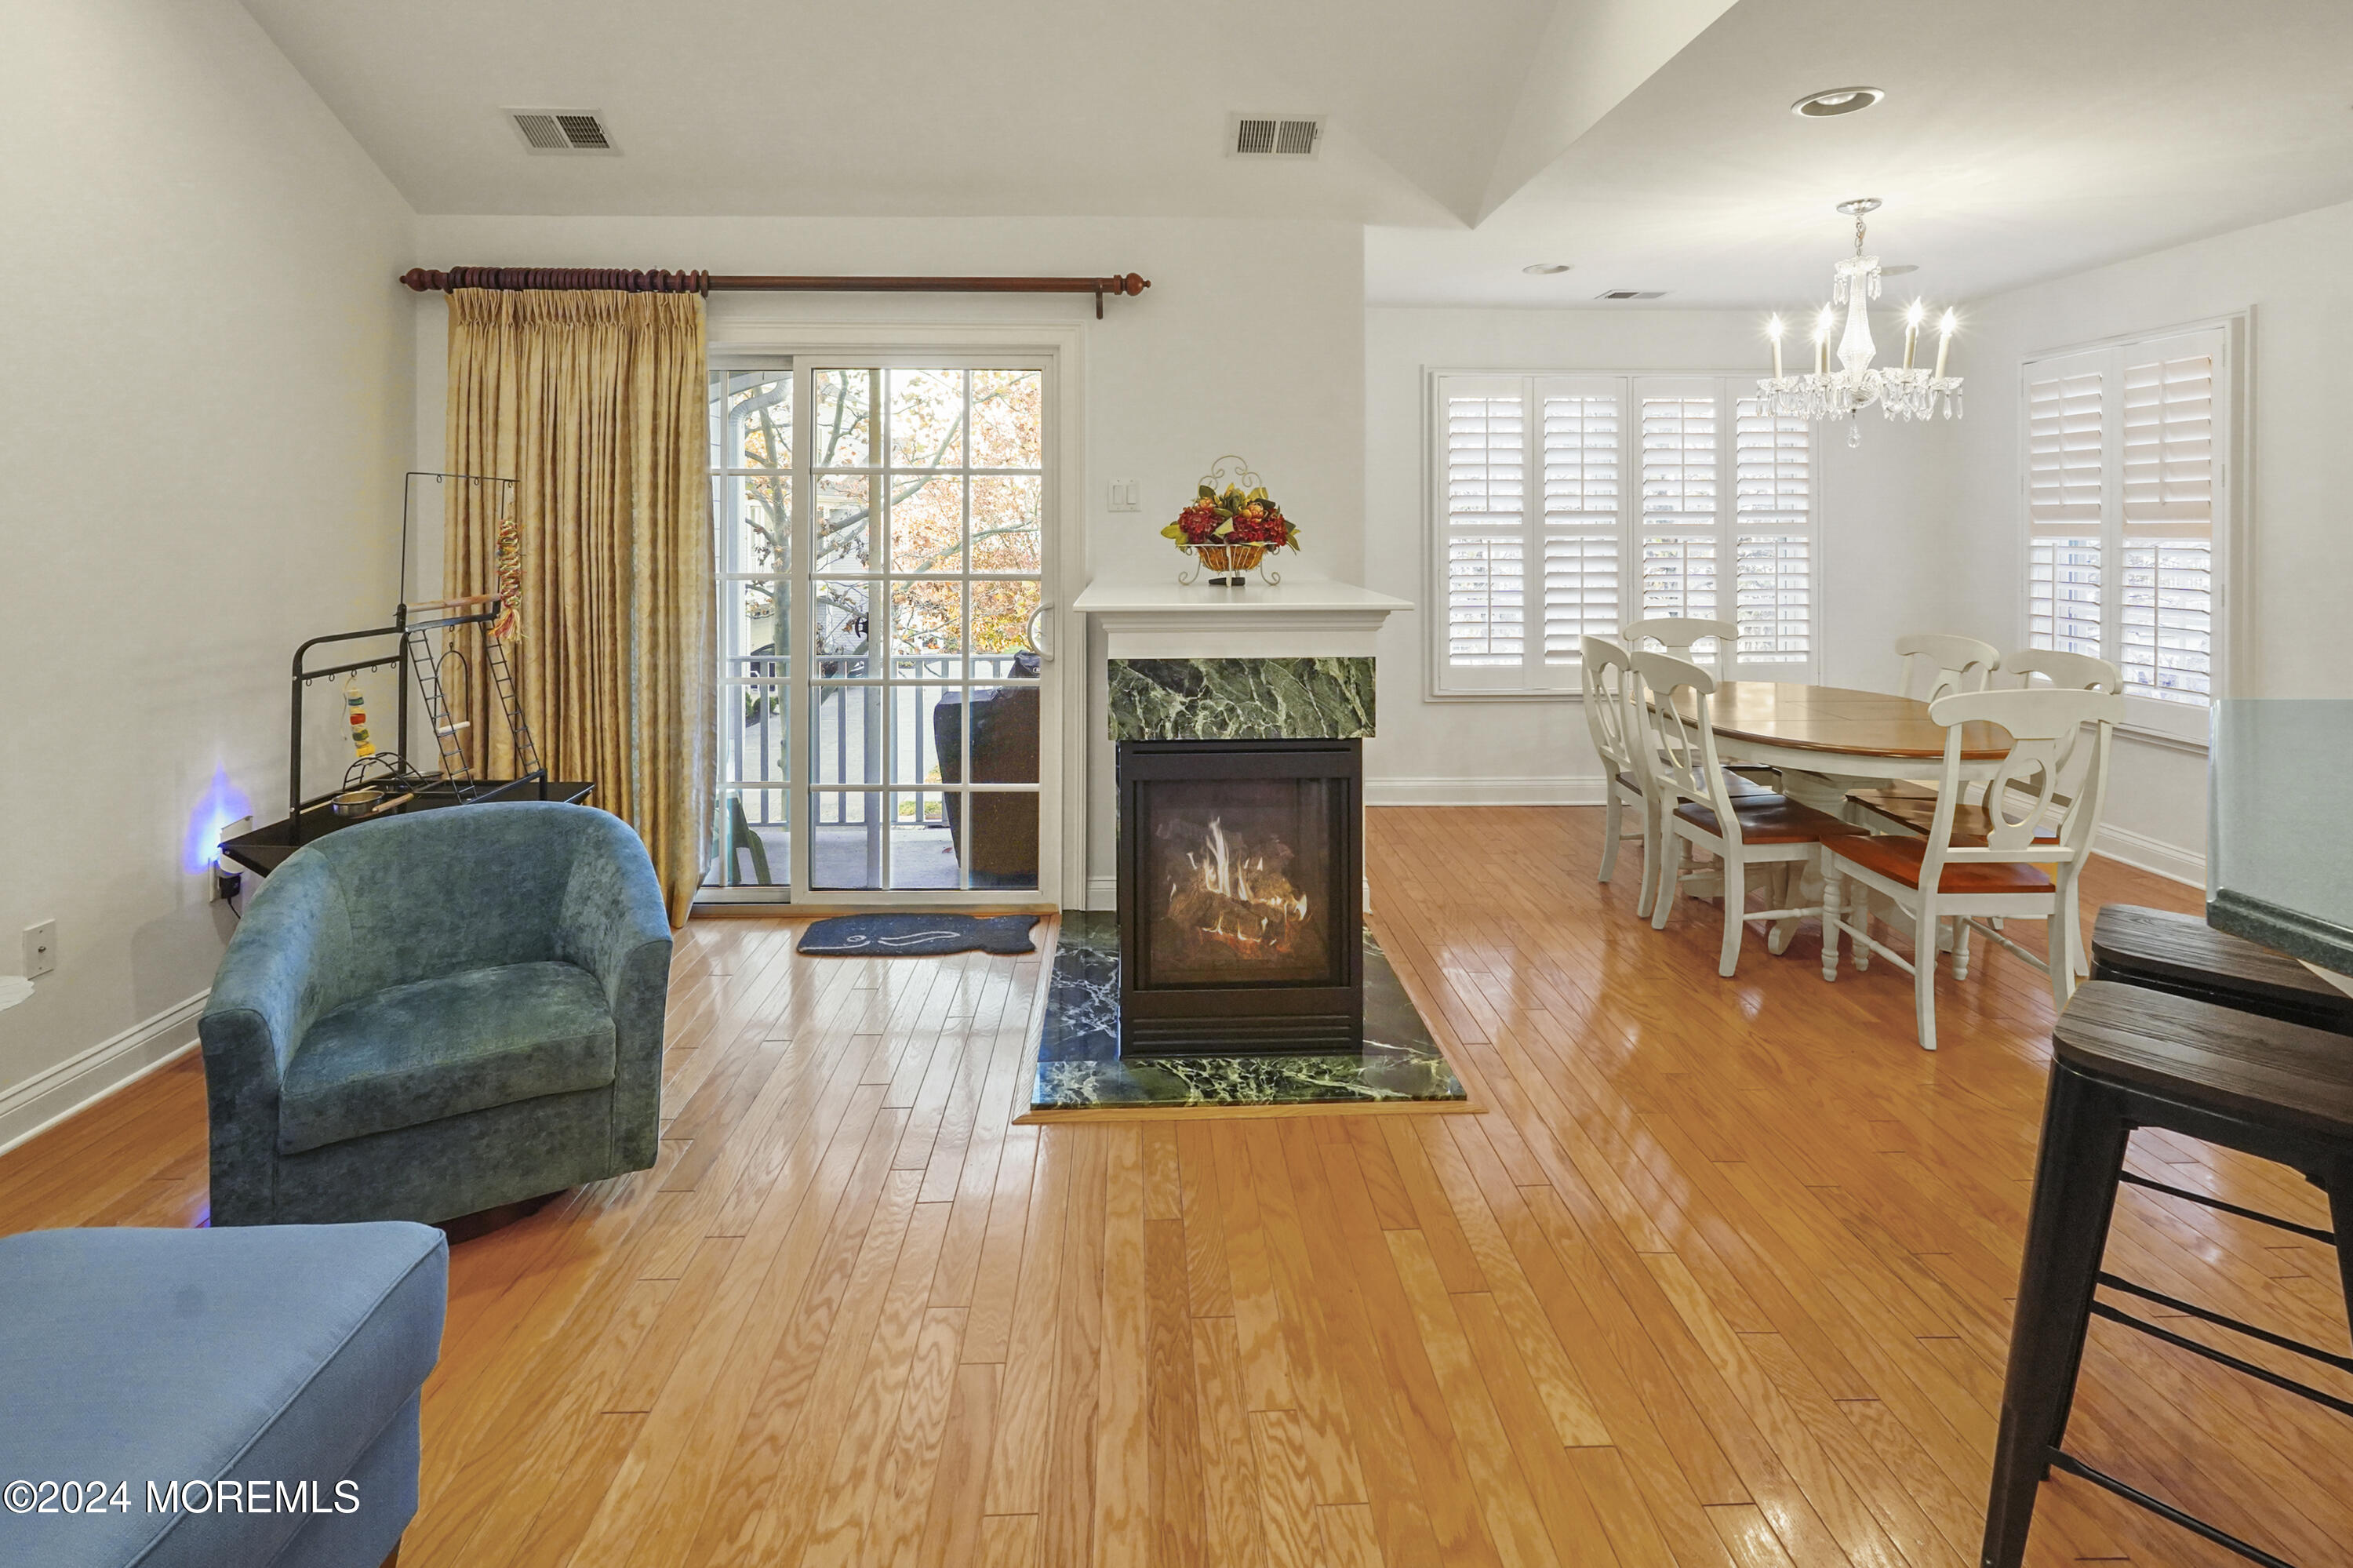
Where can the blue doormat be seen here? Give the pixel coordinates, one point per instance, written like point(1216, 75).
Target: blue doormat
point(916, 935)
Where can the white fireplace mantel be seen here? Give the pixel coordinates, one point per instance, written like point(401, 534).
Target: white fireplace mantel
point(1305, 618)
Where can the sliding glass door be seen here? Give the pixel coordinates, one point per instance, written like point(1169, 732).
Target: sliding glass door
point(886, 731)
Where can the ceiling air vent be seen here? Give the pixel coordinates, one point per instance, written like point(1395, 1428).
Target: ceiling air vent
point(1632, 295)
point(562, 130)
point(1274, 135)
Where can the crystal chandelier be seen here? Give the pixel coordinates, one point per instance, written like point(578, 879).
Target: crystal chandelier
point(1856, 384)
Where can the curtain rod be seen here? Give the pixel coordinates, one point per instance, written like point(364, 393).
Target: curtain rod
point(659, 282)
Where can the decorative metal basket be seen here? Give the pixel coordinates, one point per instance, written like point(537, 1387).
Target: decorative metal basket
point(1230, 563)
point(1233, 559)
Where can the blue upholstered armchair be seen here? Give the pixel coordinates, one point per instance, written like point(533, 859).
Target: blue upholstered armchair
point(437, 1014)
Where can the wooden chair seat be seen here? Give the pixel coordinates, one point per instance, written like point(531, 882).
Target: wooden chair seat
point(1898, 860)
point(2211, 1058)
point(1769, 820)
point(1911, 806)
point(2161, 950)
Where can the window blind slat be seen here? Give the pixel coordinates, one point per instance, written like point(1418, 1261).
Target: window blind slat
point(1581, 459)
point(2167, 631)
point(2064, 415)
point(1677, 538)
point(1772, 549)
point(2168, 448)
point(1486, 554)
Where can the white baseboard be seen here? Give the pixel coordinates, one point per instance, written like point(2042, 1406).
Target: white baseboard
point(48, 1098)
point(1556, 791)
point(2166, 860)
point(1103, 893)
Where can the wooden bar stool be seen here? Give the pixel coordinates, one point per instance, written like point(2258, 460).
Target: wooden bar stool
point(2182, 954)
point(2127, 1057)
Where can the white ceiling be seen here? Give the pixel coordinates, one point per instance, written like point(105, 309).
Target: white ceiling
point(1647, 142)
point(2020, 139)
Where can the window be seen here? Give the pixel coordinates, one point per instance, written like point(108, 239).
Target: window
point(1566, 506)
point(2126, 502)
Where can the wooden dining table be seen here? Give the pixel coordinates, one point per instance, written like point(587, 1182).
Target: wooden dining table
point(1834, 730)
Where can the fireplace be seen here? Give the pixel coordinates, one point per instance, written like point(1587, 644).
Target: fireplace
point(1240, 902)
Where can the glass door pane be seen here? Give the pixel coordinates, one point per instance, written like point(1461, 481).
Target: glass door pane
point(752, 522)
point(929, 484)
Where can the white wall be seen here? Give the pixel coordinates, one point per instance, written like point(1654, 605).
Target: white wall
point(207, 417)
point(1251, 345)
point(2291, 601)
point(1889, 544)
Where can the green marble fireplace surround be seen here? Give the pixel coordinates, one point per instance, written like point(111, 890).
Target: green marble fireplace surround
point(1241, 699)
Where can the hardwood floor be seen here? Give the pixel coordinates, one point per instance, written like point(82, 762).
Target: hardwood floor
point(1722, 1277)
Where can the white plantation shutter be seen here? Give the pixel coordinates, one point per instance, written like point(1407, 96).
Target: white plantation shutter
point(1581, 535)
point(2066, 469)
point(1773, 535)
point(1569, 507)
point(1485, 538)
point(2167, 567)
point(1680, 529)
point(2124, 449)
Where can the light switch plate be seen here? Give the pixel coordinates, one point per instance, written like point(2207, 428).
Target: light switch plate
point(40, 948)
point(1123, 496)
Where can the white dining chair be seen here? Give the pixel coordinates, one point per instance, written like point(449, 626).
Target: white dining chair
point(1912, 804)
point(1677, 635)
point(1612, 693)
point(1608, 675)
point(2019, 868)
point(2068, 672)
point(1931, 663)
point(1698, 809)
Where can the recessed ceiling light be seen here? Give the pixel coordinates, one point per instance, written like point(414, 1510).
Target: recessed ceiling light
point(1545, 269)
point(1836, 100)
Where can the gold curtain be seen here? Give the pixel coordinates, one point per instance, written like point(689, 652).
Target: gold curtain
point(596, 402)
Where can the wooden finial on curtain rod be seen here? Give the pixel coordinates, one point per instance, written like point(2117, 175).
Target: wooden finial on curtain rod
point(421, 280)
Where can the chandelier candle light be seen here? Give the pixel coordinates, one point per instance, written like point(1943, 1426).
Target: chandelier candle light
point(1856, 384)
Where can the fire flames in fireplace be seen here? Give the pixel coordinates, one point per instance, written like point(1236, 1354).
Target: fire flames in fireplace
point(1238, 897)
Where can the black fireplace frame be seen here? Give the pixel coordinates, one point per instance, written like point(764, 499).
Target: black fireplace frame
point(1272, 1017)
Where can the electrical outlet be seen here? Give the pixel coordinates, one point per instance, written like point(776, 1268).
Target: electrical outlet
point(1123, 496)
point(40, 948)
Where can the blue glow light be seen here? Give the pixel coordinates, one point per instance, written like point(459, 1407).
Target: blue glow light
point(221, 804)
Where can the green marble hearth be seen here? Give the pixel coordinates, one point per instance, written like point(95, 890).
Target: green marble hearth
point(1241, 699)
point(1079, 1065)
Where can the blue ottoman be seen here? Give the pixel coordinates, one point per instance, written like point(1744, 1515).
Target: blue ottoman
point(193, 1399)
